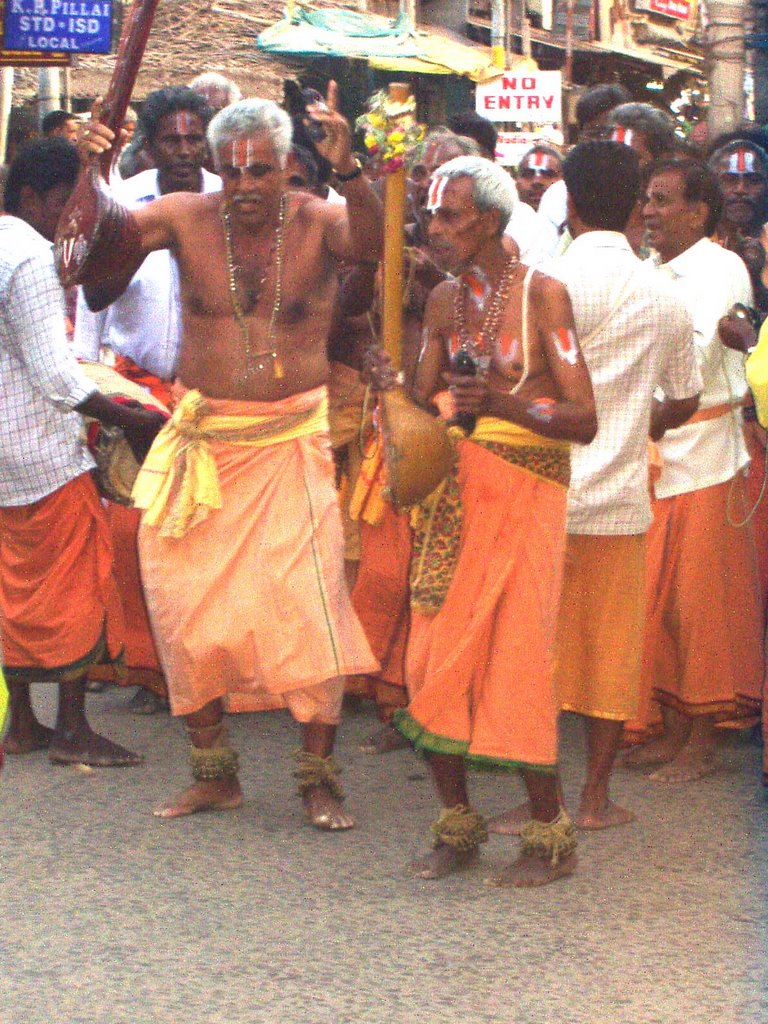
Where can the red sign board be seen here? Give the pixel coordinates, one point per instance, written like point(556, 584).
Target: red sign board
point(680, 9)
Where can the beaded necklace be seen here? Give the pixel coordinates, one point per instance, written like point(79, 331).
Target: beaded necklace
point(257, 360)
point(480, 345)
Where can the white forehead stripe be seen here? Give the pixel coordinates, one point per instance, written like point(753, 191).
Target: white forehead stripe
point(435, 196)
point(623, 135)
point(741, 162)
point(242, 152)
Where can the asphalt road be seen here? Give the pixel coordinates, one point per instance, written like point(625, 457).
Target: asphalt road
point(113, 917)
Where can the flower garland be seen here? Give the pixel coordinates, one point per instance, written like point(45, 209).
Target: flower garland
point(391, 129)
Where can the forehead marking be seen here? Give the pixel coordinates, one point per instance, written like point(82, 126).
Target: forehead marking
point(183, 122)
point(623, 135)
point(241, 152)
point(741, 162)
point(435, 195)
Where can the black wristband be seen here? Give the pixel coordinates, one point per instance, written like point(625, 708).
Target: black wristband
point(352, 174)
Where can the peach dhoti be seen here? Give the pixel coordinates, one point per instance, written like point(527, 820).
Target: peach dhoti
point(242, 556)
point(485, 591)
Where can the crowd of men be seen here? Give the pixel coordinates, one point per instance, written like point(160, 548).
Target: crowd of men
point(598, 545)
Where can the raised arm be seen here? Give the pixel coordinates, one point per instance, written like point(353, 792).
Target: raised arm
point(354, 233)
point(132, 234)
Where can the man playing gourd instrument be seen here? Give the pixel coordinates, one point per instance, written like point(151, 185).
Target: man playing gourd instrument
point(489, 542)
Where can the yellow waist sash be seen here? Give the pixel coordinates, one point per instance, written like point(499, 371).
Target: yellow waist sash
point(178, 485)
point(490, 429)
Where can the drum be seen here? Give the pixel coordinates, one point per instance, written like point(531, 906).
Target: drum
point(116, 468)
point(417, 450)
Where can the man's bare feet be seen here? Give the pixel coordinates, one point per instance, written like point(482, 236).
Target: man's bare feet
point(688, 766)
point(383, 741)
point(87, 747)
point(442, 861)
point(510, 823)
point(530, 871)
point(209, 795)
point(655, 752)
point(23, 740)
point(325, 811)
point(593, 816)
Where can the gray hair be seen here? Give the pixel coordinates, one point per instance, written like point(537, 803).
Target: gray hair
point(251, 117)
point(492, 187)
point(210, 80)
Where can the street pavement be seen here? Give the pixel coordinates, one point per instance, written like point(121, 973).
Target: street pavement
point(252, 917)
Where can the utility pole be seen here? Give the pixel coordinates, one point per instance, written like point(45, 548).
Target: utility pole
point(724, 56)
point(759, 55)
point(499, 33)
point(48, 91)
point(6, 100)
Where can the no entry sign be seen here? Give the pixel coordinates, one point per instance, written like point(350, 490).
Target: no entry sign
point(535, 96)
point(71, 26)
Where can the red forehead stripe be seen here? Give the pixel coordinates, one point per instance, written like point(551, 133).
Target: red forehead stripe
point(183, 122)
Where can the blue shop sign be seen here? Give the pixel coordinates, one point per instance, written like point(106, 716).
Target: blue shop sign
point(72, 26)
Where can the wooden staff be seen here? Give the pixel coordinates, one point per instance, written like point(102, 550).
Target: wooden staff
point(91, 227)
point(394, 249)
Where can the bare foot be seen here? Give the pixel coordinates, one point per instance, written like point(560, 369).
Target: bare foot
point(688, 766)
point(646, 755)
point(509, 824)
point(87, 747)
point(326, 811)
point(208, 795)
point(530, 871)
point(443, 860)
point(383, 741)
point(25, 740)
point(592, 817)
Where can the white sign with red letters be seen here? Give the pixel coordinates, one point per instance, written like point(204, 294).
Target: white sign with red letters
point(530, 96)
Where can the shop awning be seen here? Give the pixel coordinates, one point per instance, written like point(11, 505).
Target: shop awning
point(384, 43)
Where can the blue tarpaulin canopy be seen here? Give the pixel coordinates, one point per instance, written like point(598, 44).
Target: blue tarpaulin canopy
point(387, 44)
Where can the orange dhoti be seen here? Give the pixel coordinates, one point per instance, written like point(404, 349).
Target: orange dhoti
point(479, 671)
point(703, 647)
point(242, 556)
point(140, 655)
point(599, 646)
point(380, 598)
point(60, 608)
point(140, 652)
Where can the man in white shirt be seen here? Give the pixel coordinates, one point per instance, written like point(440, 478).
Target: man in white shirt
point(141, 331)
point(142, 326)
point(59, 608)
point(635, 335)
point(703, 658)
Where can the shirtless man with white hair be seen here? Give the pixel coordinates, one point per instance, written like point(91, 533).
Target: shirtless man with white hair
point(242, 554)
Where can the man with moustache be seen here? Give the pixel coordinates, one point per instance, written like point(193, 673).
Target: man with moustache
point(741, 167)
point(489, 542)
point(141, 331)
point(241, 546)
point(703, 648)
